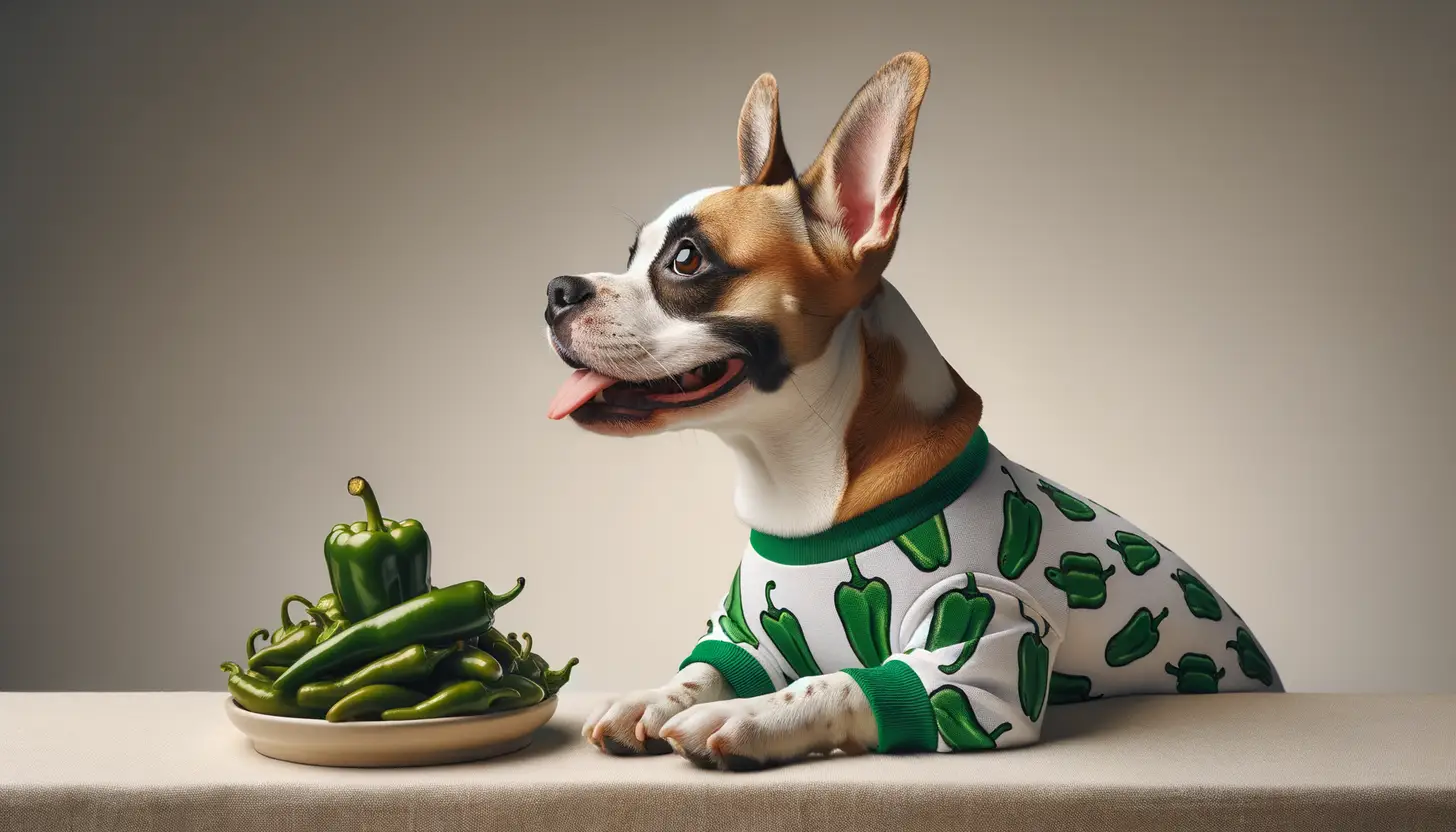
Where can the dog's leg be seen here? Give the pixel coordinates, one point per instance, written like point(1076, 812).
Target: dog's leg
point(631, 724)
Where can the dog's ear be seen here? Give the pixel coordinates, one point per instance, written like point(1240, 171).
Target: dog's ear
point(855, 191)
point(762, 157)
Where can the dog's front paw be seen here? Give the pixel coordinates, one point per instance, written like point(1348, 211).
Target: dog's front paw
point(630, 724)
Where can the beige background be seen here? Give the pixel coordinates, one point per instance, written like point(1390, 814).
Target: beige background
point(1196, 257)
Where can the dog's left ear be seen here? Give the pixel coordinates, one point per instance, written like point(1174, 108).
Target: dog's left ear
point(855, 191)
point(762, 157)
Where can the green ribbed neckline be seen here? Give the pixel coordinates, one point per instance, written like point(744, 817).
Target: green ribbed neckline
point(882, 523)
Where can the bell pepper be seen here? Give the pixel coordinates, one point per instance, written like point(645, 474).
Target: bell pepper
point(783, 629)
point(733, 624)
point(1137, 638)
point(411, 664)
point(1020, 531)
point(1137, 553)
point(960, 617)
point(1066, 688)
point(371, 701)
point(1252, 660)
point(457, 699)
point(1071, 508)
point(1196, 673)
point(928, 544)
point(1082, 577)
point(1033, 663)
point(957, 723)
point(1201, 602)
point(376, 563)
point(864, 612)
point(447, 614)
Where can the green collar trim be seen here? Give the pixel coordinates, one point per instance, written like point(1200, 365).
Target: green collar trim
point(882, 523)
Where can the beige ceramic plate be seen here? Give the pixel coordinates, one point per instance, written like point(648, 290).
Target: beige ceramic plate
point(421, 742)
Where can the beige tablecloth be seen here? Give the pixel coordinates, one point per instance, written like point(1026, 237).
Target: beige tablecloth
point(172, 761)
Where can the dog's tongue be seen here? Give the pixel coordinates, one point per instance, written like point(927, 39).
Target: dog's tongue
point(577, 391)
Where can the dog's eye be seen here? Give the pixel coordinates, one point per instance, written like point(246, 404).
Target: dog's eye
point(688, 259)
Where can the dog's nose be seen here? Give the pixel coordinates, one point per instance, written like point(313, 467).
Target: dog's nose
point(565, 292)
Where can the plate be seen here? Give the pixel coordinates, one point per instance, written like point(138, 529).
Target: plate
point(416, 742)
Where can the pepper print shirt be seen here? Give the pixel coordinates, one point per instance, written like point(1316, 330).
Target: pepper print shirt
point(966, 607)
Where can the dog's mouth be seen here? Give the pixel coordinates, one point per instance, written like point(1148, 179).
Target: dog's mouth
point(588, 392)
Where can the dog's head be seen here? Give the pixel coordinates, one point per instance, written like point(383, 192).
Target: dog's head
point(732, 289)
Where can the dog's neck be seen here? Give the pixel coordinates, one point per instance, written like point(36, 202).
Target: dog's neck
point(875, 416)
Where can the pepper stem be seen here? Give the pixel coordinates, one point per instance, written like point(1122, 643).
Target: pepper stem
point(359, 487)
point(526, 644)
point(768, 589)
point(856, 580)
point(1158, 618)
point(230, 667)
point(253, 637)
point(1013, 480)
point(509, 596)
point(288, 622)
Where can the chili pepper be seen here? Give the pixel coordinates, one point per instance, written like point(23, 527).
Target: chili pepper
point(269, 671)
point(1201, 602)
point(328, 606)
point(957, 723)
point(262, 697)
point(1137, 553)
point(1196, 673)
point(371, 701)
point(450, 613)
point(408, 665)
point(1034, 662)
point(288, 625)
point(376, 563)
point(471, 663)
point(457, 699)
point(960, 617)
point(783, 629)
point(500, 649)
point(1066, 688)
point(530, 693)
point(1252, 660)
point(299, 640)
point(864, 611)
point(1020, 531)
point(928, 544)
point(554, 680)
point(1137, 638)
point(1071, 508)
point(732, 623)
point(233, 667)
point(1082, 577)
point(253, 637)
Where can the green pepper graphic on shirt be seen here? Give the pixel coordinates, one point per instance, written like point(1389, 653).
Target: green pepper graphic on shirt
point(1034, 663)
point(1136, 639)
point(1066, 688)
point(928, 544)
point(1252, 660)
point(957, 723)
point(1137, 554)
point(1071, 508)
point(1082, 577)
point(733, 624)
point(1196, 673)
point(783, 629)
point(960, 617)
point(864, 611)
point(1201, 602)
point(1020, 531)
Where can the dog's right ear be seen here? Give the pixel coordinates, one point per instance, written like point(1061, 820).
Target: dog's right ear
point(762, 157)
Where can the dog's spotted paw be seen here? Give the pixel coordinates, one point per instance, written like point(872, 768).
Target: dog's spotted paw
point(629, 725)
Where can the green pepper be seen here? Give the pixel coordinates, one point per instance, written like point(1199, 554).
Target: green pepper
point(376, 563)
point(458, 699)
point(1137, 638)
point(928, 544)
point(447, 614)
point(252, 648)
point(262, 697)
point(411, 664)
point(960, 617)
point(530, 692)
point(1082, 577)
point(1201, 602)
point(1034, 662)
point(371, 701)
point(268, 671)
point(328, 607)
point(1071, 508)
point(471, 663)
point(1196, 673)
point(1137, 553)
point(783, 629)
point(288, 625)
point(957, 723)
point(494, 643)
point(522, 650)
point(1066, 688)
point(233, 667)
point(1252, 660)
point(299, 640)
point(864, 612)
point(554, 680)
point(1020, 531)
point(732, 623)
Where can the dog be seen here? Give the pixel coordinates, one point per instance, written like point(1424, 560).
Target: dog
point(906, 586)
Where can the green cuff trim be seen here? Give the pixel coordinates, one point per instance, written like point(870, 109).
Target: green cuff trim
point(900, 705)
point(743, 672)
point(882, 523)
